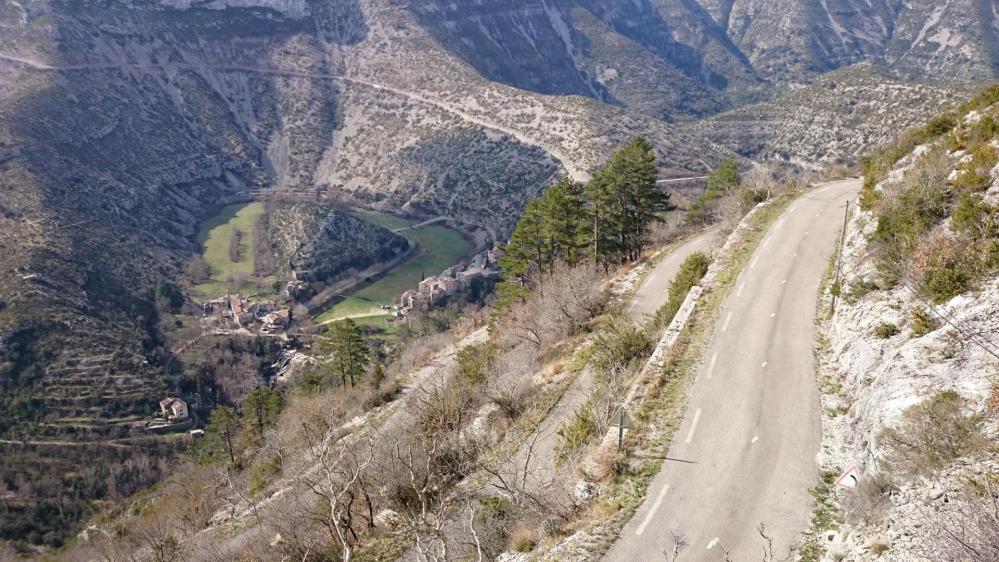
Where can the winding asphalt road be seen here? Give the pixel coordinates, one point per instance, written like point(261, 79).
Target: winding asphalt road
point(746, 451)
point(652, 293)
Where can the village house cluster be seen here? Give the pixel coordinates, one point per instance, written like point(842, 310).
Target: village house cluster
point(249, 315)
point(435, 290)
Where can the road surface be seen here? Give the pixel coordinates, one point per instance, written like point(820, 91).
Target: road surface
point(652, 293)
point(746, 451)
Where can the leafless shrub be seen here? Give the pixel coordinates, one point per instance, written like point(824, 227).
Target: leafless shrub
point(418, 353)
point(933, 433)
point(866, 504)
point(676, 546)
point(339, 483)
point(668, 230)
point(968, 528)
point(511, 385)
point(562, 303)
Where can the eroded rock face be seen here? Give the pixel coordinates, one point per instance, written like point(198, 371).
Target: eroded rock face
point(869, 382)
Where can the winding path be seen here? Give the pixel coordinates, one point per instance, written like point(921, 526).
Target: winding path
point(747, 449)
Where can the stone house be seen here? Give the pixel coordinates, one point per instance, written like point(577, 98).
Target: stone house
point(174, 409)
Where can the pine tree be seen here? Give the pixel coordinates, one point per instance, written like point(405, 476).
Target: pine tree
point(624, 201)
point(350, 352)
point(261, 409)
point(527, 250)
point(223, 427)
point(720, 183)
point(564, 224)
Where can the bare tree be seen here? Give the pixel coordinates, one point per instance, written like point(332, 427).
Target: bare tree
point(339, 470)
point(427, 512)
point(561, 304)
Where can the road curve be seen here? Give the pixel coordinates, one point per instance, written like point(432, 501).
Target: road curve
point(651, 294)
point(746, 451)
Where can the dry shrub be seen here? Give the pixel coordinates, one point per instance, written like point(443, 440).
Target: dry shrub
point(523, 538)
point(309, 410)
point(933, 433)
point(870, 499)
point(993, 404)
point(445, 409)
point(966, 528)
point(419, 352)
point(560, 306)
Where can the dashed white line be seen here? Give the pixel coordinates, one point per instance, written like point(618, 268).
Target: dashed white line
point(711, 365)
point(773, 314)
point(764, 365)
point(755, 439)
point(693, 426)
point(727, 320)
point(784, 282)
point(652, 512)
point(714, 542)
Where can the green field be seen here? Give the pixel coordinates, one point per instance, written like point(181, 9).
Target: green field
point(438, 248)
point(351, 306)
point(215, 237)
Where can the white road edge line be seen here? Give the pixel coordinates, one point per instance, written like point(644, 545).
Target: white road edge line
point(727, 320)
point(741, 287)
point(756, 259)
point(711, 366)
point(693, 426)
point(652, 512)
point(713, 542)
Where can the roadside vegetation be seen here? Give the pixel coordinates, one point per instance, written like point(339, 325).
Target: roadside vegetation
point(935, 231)
point(932, 229)
point(368, 451)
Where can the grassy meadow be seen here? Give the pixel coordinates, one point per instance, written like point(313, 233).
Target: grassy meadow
point(215, 237)
point(438, 248)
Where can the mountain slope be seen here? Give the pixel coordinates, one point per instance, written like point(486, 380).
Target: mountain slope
point(910, 353)
point(125, 124)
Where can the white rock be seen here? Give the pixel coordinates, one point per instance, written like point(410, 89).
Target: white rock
point(387, 518)
point(585, 492)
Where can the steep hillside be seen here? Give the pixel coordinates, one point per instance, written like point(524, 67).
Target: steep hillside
point(830, 120)
point(315, 244)
point(911, 355)
point(124, 124)
point(953, 40)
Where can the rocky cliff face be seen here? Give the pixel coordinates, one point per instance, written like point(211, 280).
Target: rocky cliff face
point(899, 363)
